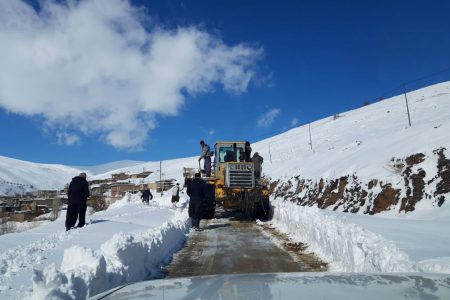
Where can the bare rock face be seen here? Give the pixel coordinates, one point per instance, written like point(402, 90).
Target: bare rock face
point(415, 159)
point(385, 199)
point(350, 194)
point(443, 185)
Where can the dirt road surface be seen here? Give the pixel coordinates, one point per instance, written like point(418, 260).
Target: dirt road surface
point(227, 246)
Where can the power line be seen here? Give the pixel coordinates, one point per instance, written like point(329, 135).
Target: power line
point(257, 138)
point(429, 76)
point(400, 86)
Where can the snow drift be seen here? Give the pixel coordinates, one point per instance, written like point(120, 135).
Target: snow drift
point(345, 246)
point(124, 258)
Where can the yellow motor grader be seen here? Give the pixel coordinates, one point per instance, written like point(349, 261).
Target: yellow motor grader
point(234, 181)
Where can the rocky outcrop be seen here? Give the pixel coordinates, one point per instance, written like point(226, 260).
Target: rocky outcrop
point(350, 194)
point(443, 176)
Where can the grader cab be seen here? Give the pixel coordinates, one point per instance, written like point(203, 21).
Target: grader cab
point(234, 181)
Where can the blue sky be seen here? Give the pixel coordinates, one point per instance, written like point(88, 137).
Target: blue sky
point(307, 60)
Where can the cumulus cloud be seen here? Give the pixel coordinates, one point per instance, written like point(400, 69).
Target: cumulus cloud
point(266, 119)
point(69, 139)
point(294, 122)
point(90, 66)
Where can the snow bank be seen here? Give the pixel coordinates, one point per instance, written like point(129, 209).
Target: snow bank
point(16, 227)
point(346, 247)
point(436, 265)
point(123, 259)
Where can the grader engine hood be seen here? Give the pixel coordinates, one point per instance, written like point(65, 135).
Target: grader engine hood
point(239, 175)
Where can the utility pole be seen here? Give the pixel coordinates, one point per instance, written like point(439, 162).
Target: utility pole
point(270, 154)
point(407, 106)
point(160, 177)
point(310, 139)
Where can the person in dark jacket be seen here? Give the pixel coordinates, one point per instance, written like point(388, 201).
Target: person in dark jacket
point(146, 196)
point(196, 193)
point(209, 205)
point(248, 152)
point(229, 156)
point(78, 193)
point(257, 162)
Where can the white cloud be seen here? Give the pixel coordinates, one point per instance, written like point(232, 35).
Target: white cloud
point(69, 139)
point(90, 66)
point(294, 122)
point(211, 132)
point(266, 119)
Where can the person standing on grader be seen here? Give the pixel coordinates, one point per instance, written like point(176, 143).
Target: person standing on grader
point(175, 195)
point(248, 152)
point(206, 155)
point(77, 193)
point(197, 193)
point(257, 162)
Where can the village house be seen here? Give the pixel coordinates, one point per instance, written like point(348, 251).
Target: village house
point(120, 176)
point(144, 186)
point(99, 181)
point(21, 216)
point(141, 175)
point(119, 189)
point(47, 193)
point(163, 185)
point(99, 189)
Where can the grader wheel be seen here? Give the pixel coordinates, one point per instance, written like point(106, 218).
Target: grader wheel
point(261, 205)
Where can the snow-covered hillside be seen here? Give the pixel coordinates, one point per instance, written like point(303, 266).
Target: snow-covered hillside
point(366, 160)
point(17, 176)
point(369, 153)
point(103, 168)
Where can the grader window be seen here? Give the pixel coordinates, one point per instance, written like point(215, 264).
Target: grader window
point(230, 154)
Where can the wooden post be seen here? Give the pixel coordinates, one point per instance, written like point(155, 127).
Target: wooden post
point(310, 139)
point(407, 106)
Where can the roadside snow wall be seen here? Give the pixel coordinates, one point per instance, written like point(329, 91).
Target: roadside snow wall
point(125, 258)
point(346, 247)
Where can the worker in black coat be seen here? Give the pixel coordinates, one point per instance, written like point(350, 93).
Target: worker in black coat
point(78, 193)
point(248, 152)
point(146, 196)
point(196, 193)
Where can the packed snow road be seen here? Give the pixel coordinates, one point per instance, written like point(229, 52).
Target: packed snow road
point(230, 246)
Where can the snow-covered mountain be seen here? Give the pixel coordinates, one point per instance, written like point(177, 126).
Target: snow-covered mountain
point(103, 168)
point(17, 176)
point(369, 159)
point(365, 160)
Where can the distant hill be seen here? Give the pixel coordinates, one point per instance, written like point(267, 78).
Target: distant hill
point(103, 168)
point(17, 176)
